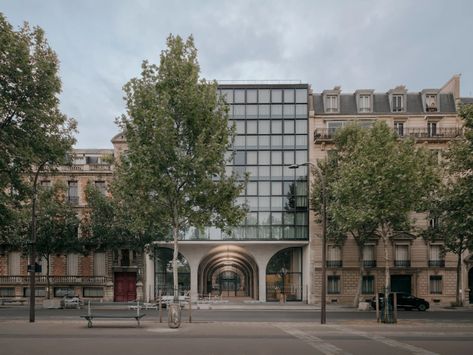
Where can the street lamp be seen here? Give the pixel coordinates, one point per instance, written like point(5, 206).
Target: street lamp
point(283, 273)
point(323, 318)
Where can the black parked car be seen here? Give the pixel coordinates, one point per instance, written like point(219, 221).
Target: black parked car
point(404, 300)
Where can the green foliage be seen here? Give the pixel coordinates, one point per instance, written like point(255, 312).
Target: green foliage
point(33, 131)
point(177, 132)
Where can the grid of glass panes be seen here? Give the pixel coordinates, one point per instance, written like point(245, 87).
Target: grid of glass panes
point(272, 134)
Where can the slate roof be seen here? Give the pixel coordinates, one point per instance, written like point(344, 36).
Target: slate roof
point(381, 104)
point(466, 100)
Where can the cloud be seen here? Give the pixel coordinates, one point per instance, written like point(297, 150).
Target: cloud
point(356, 44)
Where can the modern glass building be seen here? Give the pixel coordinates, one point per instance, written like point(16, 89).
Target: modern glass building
point(264, 257)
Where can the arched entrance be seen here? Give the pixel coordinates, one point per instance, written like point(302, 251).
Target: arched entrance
point(228, 271)
point(284, 275)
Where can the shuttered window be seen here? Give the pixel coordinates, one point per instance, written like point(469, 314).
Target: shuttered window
point(99, 264)
point(72, 264)
point(14, 259)
point(368, 252)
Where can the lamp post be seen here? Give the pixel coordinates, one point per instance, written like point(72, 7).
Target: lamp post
point(283, 273)
point(323, 318)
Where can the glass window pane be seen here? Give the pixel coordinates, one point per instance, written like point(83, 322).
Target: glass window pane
point(288, 142)
point(264, 111)
point(301, 95)
point(239, 111)
point(228, 95)
point(301, 218)
point(264, 158)
point(251, 127)
point(251, 111)
point(301, 233)
point(288, 188)
point(263, 96)
point(264, 172)
point(288, 218)
point(301, 156)
point(276, 203)
point(276, 188)
point(288, 173)
point(252, 188)
point(252, 158)
point(301, 188)
point(289, 95)
point(289, 111)
point(239, 142)
point(289, 232)
point(301, 172)
point(252, 203)
point(276, 157)
point(263, 142)
point(276, 232)
point(301, 141)
point(252, 218)
point(276, 218)
point(264, 127)
point(239, 171)
point(301, 111)
point(253, 172)
point(277, 96)
point(276, 172)
point(230, 111)
point(239, 96)
point(240, 127)
point(264, 232)
point(301, 127)
point(265, 218)
point(289, 158)
point(276, 126)
point(264, 188)
point(276, 111)
point(251, 95)
point(239, 157)
point(251, 142)
point(289, 126)
point(276, 142)
point(264, 204)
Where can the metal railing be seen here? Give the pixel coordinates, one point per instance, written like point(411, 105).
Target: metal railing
point(437, 263)
point(334, 263)
point(402, 263)
point(55, 280)
point(369, 263)
point(420, 133)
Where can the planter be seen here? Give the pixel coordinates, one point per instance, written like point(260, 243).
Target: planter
point(174, 315)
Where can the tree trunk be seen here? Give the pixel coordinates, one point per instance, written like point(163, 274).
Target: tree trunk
point(48, 281)
point(387, 278)
point(459, 265)
point(175, 234)
point(360, 279)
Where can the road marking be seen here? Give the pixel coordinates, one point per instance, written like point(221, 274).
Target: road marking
point(387, 341)
point(312, 340)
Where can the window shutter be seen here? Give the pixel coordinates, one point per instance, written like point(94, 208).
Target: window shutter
point(72, 264)
point(14, 259)
point(99, 264)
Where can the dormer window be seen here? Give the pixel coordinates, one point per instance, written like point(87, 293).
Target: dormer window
point(398, 103)
point(431, 103)
point(331, 103)
point(365, 103)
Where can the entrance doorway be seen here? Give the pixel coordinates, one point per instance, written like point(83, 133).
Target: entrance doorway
point(229, 283)
point(125, 286)
point(401, 283)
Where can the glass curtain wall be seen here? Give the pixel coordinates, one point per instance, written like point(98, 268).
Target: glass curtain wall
point(163, 272)
point(284, 276)
point(271, 124)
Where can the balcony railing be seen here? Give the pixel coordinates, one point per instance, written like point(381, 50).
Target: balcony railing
point(86, 167)
point(334, 263)
point(369, 263)
point(419, 133)
point(437, 263)
point(55, 280)
point(402, 263)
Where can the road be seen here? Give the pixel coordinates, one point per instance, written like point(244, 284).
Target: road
point(238, 332)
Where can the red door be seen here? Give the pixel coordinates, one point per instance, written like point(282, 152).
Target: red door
point(125, 286)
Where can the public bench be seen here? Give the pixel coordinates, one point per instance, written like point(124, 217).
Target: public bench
point(91, 316)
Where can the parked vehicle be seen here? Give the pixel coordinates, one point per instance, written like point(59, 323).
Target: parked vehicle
point(404, 300)
point(70, 302)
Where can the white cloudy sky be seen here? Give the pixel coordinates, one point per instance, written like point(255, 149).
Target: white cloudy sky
point(356, 44)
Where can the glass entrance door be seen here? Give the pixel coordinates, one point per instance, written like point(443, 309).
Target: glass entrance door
point(229, 283)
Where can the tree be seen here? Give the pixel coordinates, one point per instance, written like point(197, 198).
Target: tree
point(451, 208)
point(57, 226)
point(177, 131)
point(33, 131)
point(381, 180)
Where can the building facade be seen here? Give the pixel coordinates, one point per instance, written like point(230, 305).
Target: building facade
point(276, 251)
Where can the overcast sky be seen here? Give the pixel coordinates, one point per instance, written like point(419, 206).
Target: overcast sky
point(356, 44)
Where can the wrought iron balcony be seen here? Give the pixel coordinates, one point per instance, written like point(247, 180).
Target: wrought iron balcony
point(369, 263)
point(437, 263)
point(418, 133)
point(55, 280)
point(402, 263)
point(334, 263)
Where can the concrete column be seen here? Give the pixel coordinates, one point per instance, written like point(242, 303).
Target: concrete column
point(149, 278)
point(262, 283)
point(194, 282)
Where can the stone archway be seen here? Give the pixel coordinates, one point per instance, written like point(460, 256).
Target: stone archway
point(224, 264)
